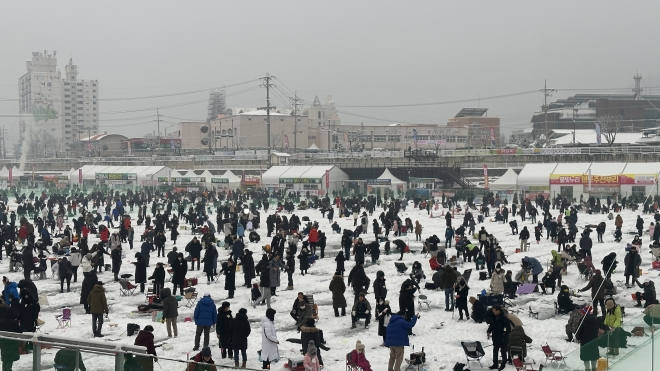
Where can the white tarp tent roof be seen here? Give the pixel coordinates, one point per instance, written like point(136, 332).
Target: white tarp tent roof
point(639, 168)
point(233, 178)
point(313, 147)
point(388, 175)
point(507, 182)
point(572, 168)
point(607, 168)
point(536, 174)
point(272, 175)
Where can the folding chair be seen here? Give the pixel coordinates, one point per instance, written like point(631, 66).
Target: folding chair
point(400, 268)
point(552, 355)
point(126, 288)
point(64, 319)
point(39, 324)
point(473, 351)
point(466, 275)
point(522, 366)
point(585, 272)
point(423, 302)
point(191, 298)
point(533, 314)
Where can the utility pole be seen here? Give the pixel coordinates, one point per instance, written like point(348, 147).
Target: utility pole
point(267, 85)
point(158, 120)
point(546, 93)
point(295, 121)
point(4, 147)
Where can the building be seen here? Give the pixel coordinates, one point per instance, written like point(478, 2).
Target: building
point(56, 109)
point(581, 111)
point(483, 131)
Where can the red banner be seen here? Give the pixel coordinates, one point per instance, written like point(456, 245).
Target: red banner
point(11, 176)
point(327, 179)
point(80, 178)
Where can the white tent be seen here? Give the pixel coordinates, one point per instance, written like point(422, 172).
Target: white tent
point(313, 147)
point(507, 182)
point(234, 180)
point(388, 175)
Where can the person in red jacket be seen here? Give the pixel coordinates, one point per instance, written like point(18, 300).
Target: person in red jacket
point(203, 359)
point(85, 231)
point(313, 238)
point(22, 234)
point(105, 235)
point(145, 338)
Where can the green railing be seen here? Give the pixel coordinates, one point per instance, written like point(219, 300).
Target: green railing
point(35, 352)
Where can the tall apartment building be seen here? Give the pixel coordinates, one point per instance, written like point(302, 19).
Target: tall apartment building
point(56, 109)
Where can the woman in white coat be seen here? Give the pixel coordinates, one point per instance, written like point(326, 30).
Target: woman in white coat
point(269, 342)
point(86, 263)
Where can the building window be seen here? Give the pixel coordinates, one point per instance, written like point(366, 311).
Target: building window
point(67, 96)
point(639, 192)
point(566, 192)
point(380, 138)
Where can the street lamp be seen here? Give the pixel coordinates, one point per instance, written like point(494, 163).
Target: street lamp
point(575, 110)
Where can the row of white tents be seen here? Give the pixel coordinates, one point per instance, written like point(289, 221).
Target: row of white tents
point(582, 178)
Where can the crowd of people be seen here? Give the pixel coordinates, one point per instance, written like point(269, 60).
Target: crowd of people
point(95, 232)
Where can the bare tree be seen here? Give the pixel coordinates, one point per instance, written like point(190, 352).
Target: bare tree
point(275, 140)
point(439, 133)
point(609, 127)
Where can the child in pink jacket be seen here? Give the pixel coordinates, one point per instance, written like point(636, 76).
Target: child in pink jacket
point(311, 361)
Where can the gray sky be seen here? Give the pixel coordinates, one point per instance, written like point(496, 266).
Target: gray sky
point(364, 53)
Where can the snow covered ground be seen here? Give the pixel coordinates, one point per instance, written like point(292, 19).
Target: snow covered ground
point(441, 343)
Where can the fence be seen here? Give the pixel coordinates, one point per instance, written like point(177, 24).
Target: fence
point(34, 352)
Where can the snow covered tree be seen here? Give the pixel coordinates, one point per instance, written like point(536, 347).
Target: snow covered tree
point(609, 127)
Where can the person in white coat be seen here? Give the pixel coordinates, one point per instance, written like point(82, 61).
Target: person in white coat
point(86, 264)
point(269, 342)
point(75, 257)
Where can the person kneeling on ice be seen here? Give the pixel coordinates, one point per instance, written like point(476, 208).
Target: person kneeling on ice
point(361, 309)
point(204, 361)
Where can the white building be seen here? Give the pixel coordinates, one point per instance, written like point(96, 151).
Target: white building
point(56, 108)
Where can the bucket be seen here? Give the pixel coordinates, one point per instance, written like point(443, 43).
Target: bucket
point(656, 265)
point(517, 250)
point(601, 365)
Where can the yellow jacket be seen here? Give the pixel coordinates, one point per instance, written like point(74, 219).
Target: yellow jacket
point(613, 319)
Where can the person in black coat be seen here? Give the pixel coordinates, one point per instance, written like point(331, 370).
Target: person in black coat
point(29, 312)
point(478, 310)
point(587, 334)
point(9, 351)
point(229, 270)
point(374, 250)
point(240, 330)
point(209, 260)
point(158, 276)
point(359, 250)
point(609, 264)
point(358, 280)
point(87, 286)
point(304, 260)
point(65, 271)
point(499, 329)
point(180, 269)
point(248, 267)
point(462, 290)
point(340, 262)
point(28, 262)
point(171, 256)
point(407, 300)
point(140, 270)
point(223, 329)
point(115, 256)
point(29, 286)
point(290, 269)
point(380, 290)
point(309, 332)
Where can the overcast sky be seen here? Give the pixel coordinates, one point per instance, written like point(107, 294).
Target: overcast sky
point(363, 52)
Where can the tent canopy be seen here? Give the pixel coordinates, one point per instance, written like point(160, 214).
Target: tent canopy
point(388, 175)
point(536, 174)
point(507, 182)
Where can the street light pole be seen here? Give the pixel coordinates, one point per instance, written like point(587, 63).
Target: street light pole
point(574, 124)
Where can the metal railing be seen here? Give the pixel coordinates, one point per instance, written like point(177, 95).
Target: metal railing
point(36, 352)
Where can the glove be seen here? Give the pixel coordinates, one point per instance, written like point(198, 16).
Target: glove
point(353, 312)
point(367, 312)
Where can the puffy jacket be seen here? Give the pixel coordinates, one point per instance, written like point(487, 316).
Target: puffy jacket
point(397, 331)
point(448, 277)
point(10, 291)
point(533, 264)
point(313, 235)
point(613, 317)
point(170, 305)
point(97, 301)
point(205, 312)
point(518, 338)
